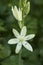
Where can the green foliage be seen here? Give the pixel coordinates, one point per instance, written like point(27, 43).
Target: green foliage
point(4, 51)
point(2, 28)
point(12, 60)
point(34, 23)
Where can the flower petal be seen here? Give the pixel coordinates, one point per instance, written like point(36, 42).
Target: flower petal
point(20, 15)
point(28, 37)
point(13, 41)
point(27, 46)
point(18, 47)
point(15, 12)
point(16, 33)
point(15, 9)
point(23, 31)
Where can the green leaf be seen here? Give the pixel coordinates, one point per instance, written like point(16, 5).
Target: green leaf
point(2, 29)
point(38, 2)
point(12, 60)
point(31, 24)
point(4, 51)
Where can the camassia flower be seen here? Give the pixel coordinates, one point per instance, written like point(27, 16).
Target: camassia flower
point(17, 13)
point(21, 40)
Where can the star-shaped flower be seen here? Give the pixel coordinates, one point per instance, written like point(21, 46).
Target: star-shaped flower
point(17, 13)
point(21, 40)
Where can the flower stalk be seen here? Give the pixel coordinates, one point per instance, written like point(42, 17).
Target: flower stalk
point(20, 3)
point(21, 24)
point(22, 38)
point(20, 57)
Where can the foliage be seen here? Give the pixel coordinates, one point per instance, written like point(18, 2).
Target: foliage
point(34, 23)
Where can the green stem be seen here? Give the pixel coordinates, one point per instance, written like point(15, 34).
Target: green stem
point(20, 3)
point(20, 57)
point(21, 23)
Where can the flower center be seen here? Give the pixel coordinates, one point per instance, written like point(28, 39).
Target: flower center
point(21, 39)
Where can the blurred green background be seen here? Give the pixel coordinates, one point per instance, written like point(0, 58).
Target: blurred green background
point(34, 23)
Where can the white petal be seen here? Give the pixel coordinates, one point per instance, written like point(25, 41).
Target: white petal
point(16, 33)
point(20, 15)
point(13, 41)
point(15, 12)
point(28, 37)
point(15, 9)
point(27, 46)
point(18, 47)
point(23, 31)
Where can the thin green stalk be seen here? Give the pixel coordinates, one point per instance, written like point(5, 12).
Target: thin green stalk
point(20, 57)
point(21, 24)
point(20, 3)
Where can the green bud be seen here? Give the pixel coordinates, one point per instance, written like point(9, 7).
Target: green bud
point(21, 24)
point(24, 2)
point(26, 9)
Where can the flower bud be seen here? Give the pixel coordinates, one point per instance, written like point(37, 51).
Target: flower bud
point(27, 9)
point(24, 3)
point(17, 13)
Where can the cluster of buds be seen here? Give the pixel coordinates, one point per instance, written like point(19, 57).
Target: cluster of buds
point(26, 7)
point(18, 12)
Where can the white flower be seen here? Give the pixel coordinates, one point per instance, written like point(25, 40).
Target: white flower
point(21, 40)
point(17, 13)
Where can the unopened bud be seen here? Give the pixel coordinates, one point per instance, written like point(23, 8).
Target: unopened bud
point(24, 2)
point(27, 9)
